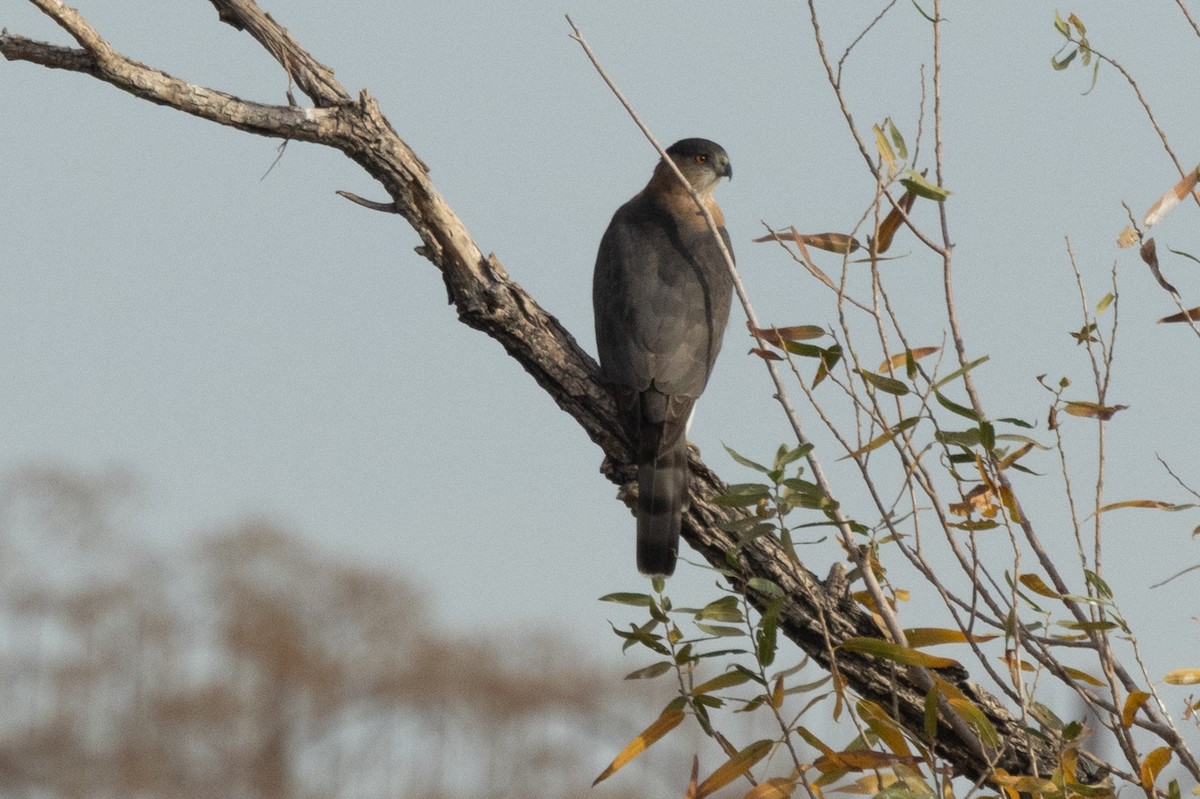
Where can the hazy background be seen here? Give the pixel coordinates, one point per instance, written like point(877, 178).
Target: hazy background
point(257, 346)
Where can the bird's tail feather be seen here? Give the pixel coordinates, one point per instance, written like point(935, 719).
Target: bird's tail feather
point(662, 498)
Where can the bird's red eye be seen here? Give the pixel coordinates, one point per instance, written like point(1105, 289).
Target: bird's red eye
point(701, 158)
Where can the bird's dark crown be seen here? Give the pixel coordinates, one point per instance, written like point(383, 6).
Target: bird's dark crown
point(689, 147)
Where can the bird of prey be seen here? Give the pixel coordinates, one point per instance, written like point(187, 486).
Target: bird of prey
point(661, 294)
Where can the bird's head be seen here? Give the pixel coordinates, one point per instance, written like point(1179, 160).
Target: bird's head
point(701, 161)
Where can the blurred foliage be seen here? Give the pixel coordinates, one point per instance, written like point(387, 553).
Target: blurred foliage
point(255, 666)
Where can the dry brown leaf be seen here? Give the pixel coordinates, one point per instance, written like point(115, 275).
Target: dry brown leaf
point(1149, 253)
point(1192, 314)
point(897, 361)
point(1171, 199)
point(778, 335)
point(891, 223)
point(1127, 237)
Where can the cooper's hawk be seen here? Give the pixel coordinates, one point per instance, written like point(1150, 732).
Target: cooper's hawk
point(661, 295)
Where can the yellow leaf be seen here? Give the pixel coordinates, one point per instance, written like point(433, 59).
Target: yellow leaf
point(899, 361)
point(1015, 456)
point(1093, 411)
point(734, 767)
point(831, 242)
point(815, 742)
point(1127, 238)
point(776, 788)
point(970, 713)
point(777, 693)
point(1132, 702)
point(859, 760)
point(1171, 199)
point(932, 636)
point(668, 721)
point(1153, 504)
point(885, 148)
point(1183, 677)
point(869, 784)
point(1026, 784)
point(896, 653)
point(884, 727)
point(1082, 676)
point(1152, 765)
point(1038, 586)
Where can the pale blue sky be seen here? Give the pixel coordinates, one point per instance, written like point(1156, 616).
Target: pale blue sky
point(254, 345)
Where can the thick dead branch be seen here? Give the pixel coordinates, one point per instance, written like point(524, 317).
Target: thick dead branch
point(487, 299)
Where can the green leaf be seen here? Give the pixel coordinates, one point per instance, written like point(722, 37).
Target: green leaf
point(722, 681)
point(931, 713)
point(987, 435)
point(954, 407)
point(1184, 254)
point(829, 359)
point(786, 456)
point(920, 186)
point(635, 600)
point(642, 635)
point(922, 12)
point(961, 438)
point(1059, 64)
point(1060, 25)
point(957, 373)
point(724, 609)
point(886, 384)
point(764, 586)
point(742, 495)
point(767, 634)
point(1107, 299)
point(1088, 626)
point(1017, 422)
point(759, 529)
point(650, 672)
point(758, 467)
point(1098, 583)
point(887, 436)
point(720, 630)
point(972, 526)
point(897, 140)
point(804, 350)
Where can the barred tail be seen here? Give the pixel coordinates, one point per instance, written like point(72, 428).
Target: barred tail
point(662, 497)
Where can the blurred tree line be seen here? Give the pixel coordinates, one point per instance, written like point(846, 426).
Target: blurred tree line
point(256, 666)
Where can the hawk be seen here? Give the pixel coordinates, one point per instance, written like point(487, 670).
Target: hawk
point(661, 293)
